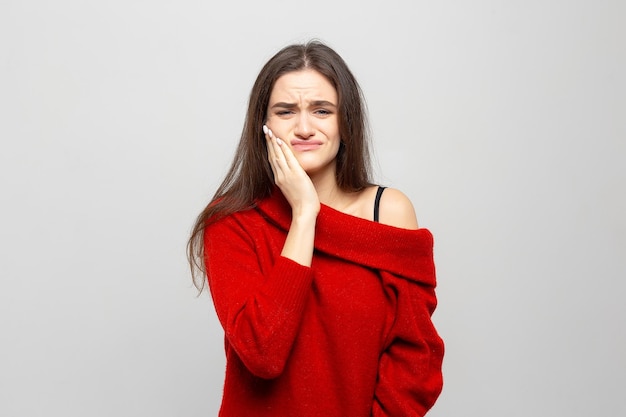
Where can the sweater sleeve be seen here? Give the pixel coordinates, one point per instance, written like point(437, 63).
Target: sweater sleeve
point(409, 371)
point(259, 306)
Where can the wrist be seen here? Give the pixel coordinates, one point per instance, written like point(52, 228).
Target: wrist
point(303, 217)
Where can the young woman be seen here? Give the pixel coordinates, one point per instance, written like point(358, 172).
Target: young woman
point(324, 283)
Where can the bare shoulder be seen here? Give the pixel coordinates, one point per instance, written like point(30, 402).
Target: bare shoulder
point(397, 210)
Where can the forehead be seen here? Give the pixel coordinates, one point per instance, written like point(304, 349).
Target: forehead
point(303, 84)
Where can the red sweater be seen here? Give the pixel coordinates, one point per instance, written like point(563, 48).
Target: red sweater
point(351, 336)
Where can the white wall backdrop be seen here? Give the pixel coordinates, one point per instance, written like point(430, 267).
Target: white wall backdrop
point(505, 122)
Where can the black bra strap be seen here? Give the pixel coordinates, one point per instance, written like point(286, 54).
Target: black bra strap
point(379, 192)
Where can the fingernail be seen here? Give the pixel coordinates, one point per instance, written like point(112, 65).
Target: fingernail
point(265, 129)
point(270, 132)
point(280, 142)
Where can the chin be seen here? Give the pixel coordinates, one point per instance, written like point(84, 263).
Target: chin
point(316, 169)
point(309, 167)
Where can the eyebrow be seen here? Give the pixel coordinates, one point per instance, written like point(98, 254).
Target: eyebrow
point(314, 103)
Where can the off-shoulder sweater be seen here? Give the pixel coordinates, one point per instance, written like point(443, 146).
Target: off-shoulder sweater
point(350, 336)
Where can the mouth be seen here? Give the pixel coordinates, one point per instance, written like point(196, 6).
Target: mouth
point(305, 145)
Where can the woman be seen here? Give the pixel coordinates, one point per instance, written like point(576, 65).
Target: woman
point(323, 283)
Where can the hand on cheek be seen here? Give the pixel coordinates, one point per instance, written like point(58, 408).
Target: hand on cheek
point(289, 176)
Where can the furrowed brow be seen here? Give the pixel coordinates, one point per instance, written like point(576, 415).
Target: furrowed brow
point(284, 105)
point(316, 103)
point(322, 103)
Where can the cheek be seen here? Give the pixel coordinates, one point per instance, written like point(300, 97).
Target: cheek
point(277, 125)
point(331, 127)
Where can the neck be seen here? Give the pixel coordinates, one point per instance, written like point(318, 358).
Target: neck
point(328, 191)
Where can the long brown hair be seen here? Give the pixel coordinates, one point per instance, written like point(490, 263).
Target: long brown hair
point(250, 177)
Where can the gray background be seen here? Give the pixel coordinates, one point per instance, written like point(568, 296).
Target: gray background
point(503, 121)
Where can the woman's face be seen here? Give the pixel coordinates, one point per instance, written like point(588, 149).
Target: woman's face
point(302, 111)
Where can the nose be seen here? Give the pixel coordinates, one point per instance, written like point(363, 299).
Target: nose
point(303, 129)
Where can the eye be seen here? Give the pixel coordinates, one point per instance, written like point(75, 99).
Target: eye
point(323, 112)
point(284, 112)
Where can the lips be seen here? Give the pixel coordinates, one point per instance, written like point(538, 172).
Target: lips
point(305, 145)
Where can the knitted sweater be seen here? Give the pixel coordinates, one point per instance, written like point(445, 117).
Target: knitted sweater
point(351, 336)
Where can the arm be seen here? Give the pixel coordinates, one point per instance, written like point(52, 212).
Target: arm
point(299, 191)
point(409, 372)
point(259, 297)
point(261, 310)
